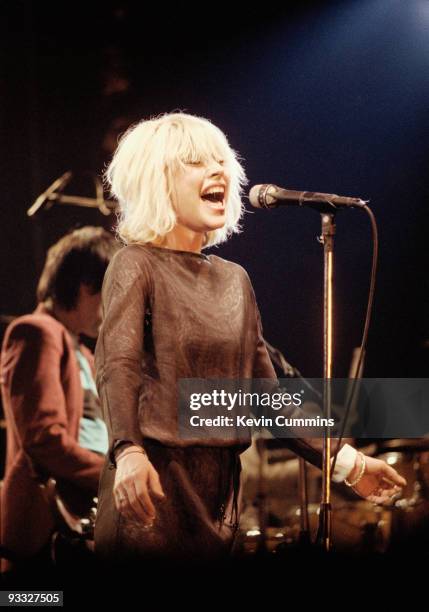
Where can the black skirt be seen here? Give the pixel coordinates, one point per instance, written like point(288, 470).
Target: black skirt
point(197, 520)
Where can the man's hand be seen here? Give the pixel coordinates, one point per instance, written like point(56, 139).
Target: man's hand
point(379, 483)
point(135, 481)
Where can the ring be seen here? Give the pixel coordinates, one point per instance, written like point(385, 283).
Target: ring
point(147, 527)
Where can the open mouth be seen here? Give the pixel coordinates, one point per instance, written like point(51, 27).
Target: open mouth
point(215, 199)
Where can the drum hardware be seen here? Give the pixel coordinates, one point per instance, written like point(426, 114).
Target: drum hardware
point(53, 195)
point(290, 371)
point(350, 401)
point(304, 532)
point(358, 527)
point(261, 497)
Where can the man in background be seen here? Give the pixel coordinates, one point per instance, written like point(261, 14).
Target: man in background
point(55, 430)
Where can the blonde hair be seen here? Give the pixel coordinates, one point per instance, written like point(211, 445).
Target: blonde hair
point(140, 175)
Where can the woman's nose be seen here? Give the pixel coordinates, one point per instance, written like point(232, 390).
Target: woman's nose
point(216, 169)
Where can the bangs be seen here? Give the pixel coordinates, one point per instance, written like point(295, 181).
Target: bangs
point(196, 141)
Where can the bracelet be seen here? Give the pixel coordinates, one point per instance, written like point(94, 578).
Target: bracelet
point(360, 475)
point(124, 453)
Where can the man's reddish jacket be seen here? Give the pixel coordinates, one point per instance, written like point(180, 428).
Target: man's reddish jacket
point(43, 404)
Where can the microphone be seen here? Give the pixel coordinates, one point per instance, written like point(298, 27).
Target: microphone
point(271, 196)
point(46, 197)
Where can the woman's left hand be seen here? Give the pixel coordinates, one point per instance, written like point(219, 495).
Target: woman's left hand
point(379, 483)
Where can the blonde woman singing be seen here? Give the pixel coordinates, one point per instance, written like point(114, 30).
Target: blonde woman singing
point(172, 312)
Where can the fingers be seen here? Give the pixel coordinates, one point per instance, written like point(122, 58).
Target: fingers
point(380, 500)
point(142, 493)
point(133, 501)
point(155, 485)
point(135, 480)
point(121, 500)
point(137, 502)
point(383, 499)
point(391, 491)
point(131, 508)
point(393, 476)
point(118, 497)
point(385, 493)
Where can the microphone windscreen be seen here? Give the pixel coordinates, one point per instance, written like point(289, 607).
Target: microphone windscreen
point(254, 196)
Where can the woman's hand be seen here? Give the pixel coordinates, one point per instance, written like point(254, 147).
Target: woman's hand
point(135, 481)
point(379, 483)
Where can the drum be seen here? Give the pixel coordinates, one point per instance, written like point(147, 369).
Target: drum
point(358, 527)
point(271, 517)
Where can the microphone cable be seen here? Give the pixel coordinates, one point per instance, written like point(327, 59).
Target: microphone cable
point(362, 348)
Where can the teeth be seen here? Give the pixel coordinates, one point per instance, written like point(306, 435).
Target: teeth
point(214, 190)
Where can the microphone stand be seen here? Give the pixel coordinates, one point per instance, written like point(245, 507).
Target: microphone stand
point(327, 213)
point(327, 240)
point(270, 196)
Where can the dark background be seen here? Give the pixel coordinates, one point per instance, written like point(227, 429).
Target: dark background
point(330, 96)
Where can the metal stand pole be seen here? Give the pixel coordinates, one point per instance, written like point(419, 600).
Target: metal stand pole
point(327, 239)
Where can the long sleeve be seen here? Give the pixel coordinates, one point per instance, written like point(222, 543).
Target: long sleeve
point(32, 364)
point(119, 354)
point(308, 448)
